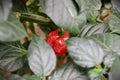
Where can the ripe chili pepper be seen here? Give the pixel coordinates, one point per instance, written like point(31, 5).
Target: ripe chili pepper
point(25, 1)
point(57, 41)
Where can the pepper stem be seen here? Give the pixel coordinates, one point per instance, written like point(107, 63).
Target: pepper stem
point(62, 32)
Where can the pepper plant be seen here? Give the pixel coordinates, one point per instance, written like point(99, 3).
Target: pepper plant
point(59, 39)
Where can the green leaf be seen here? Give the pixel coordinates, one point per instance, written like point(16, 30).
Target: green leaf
point(11, 29)
point(92, 29)
point(41, 58)
point(64, 14)
point(107, 4)
point(15, 77)
point(10, 57)
point(25, 68)
point(56, 77)
point(69, 72)
point(2, 78)
point(89, 4)
point(35, 77)
point(116, 4)
point(114, 23)
point(110, 43)
point(115, 70)
point(90, 7)
point(92, 15)
point(109, 58)
point(85, 52)
point(5, 9)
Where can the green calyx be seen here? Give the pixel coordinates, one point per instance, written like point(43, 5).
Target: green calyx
point(62, 32)
point(95, 73)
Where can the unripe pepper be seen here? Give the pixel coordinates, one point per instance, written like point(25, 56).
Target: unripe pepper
point(57, 41)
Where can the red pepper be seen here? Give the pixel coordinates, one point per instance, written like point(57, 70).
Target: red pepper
point(25, 1)
point(57, 41)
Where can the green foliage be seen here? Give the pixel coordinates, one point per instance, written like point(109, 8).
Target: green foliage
point(114, 23)
point(11, 29)
point(115, 4)
point(92, 29)
point(35, 77)
point(15, 77)
point(85, 52)
point(115, 73)
point(11, 56)
point(93, 47)
point(5, 9)
point(41, 58)
point(69, 72)
point(64, 14)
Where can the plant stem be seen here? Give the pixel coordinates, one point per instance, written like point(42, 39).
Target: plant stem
point(44, 78)
point(34, 18)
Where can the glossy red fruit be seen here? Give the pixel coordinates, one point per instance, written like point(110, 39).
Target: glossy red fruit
point(25, 1)
point(57, 41)
point(59, 46)
point(55, 34)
